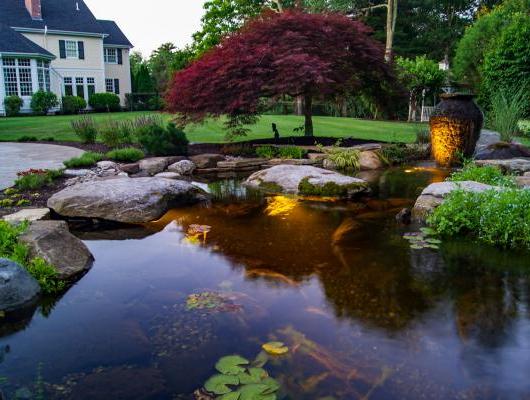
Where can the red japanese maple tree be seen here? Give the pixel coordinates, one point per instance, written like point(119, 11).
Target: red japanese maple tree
point(316, 56)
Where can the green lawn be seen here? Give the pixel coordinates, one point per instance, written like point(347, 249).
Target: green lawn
point(212, 130)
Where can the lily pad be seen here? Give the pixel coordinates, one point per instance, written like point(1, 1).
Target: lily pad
point(428, 231)
point(433, 241)
point(218, 384)
point(275, 348)
point(230, 396)
point(231, 365)
point(254, 375)
point(256, 391)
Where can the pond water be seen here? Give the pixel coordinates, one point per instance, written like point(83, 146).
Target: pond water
point(363, 314)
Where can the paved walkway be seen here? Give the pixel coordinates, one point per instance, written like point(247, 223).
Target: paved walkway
point(16, 157)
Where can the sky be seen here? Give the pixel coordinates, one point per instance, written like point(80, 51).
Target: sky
point(149, 23)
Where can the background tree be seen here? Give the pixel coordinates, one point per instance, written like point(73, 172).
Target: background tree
point(317, 56)
point(417, 75)
point(164, 61)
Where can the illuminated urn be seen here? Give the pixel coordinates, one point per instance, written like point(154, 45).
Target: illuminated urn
point(455, 128)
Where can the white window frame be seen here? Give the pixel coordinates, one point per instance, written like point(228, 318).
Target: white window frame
point(71, 49)
point(18, 72)
point(110, 55)
point(109, 86)
point(43, 73)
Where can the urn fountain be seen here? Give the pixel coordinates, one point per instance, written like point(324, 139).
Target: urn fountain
point(455, 127)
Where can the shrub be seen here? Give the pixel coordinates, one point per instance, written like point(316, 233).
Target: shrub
point(23, 139)
point(85, 129)
point(147, 120)
point(160, 141)
point(13, 104)
point(489, 175)
point(266, 151)
point(104, 102)
point(129, 154)
point(87, 159)
point(12, 249)
point(344, 158)
point(507, 108)
point(423, 136)
point(499, 218)
point(42, 102)
point(116, 134)
point(524, 128)
point(36, 179)
point(292, 152)
point(73, 104)
point(401, 153)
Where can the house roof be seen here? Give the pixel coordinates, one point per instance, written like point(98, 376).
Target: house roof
point(115, 35)
point(16, 43)
point(61, 15)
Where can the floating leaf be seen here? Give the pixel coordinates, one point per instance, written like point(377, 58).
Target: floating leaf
point(218, 384)
point(261, 359)
point(428, 231)
point(230, 396)
point(416, 247)
point(433, 241)
point(256, 391)
point(432, 246)
point(254, 375)
point(231, 365)
point(275, 348)
point(272, 385)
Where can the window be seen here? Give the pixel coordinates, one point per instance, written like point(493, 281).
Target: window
point(17, 76)
point(109, 85)
point(111, 56)
point(80, 87)
point(43, 73)
point(91, 86)
point(68, 88)
point(72, 50)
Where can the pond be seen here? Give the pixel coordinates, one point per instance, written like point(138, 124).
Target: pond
point(364, 316)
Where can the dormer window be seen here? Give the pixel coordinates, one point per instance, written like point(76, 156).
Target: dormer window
point(111, 55)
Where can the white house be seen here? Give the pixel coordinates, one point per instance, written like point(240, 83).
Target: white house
point(59, 46)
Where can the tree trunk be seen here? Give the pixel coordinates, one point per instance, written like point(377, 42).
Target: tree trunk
point(391, 19)
point(308, 113)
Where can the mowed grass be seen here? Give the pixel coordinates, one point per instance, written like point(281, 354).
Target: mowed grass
point(59, 127)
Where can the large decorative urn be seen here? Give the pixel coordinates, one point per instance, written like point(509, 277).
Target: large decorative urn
point(455, 128)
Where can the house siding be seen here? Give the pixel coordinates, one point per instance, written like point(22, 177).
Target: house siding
point(121, 72)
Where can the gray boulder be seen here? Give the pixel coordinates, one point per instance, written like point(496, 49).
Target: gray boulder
point(154, 165)
point(204, 161)
point(517, 166)
point(435, 194)
point(306, 180)
point(53, 242)
point(184, 167)
point(125, 200)
point(18, 288)
point(502, 151)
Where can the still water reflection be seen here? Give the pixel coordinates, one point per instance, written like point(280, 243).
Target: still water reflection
point(364, 316)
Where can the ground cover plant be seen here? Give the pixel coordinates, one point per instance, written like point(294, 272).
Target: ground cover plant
point(88, 159)
point(12, 249)
point(36, 178)
point(496, 217)
point(489, 175)
point(128, 154)
point(85, 129)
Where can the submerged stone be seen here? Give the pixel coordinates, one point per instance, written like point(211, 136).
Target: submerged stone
point(306, 180)
point(18, 289)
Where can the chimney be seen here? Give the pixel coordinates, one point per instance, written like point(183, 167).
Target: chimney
point(34, 8)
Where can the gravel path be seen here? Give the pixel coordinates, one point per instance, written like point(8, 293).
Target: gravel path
point(16, 157)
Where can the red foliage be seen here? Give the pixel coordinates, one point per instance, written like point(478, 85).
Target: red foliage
point(292, 53)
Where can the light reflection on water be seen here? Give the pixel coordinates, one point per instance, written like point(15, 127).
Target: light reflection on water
point(364, 315)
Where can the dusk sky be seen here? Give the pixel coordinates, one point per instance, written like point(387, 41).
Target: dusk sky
point(150, 23)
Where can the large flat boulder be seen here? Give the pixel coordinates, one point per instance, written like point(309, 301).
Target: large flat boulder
point(435, 194)
point(125, 200)
point(502, 151)
point(306, 180)
point(28, 214)
point(517, 166)
point(204, 161)
point(53, 242)
point(18, 289)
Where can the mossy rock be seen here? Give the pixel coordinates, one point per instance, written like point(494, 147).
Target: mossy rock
point(329, 189)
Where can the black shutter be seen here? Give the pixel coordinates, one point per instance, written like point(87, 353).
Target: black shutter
point(117, 86)
point(120, 56)
point(62, 48)
point(81, 50)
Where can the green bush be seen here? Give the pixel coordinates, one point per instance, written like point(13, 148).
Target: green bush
point(291, 152)
point(266, 151)
point(129, 154)
point(88, 159)
point(500, 218)
point(86, 130)
point(160, 141)
point(489, 175)
point(42, 102)
point(524, 128)
point(37, 179)
point(507, 108)
point(344, 158)
point(12, 249)
point(116, 134)
point(73, 104)
point(104, 102)
point(13, 104)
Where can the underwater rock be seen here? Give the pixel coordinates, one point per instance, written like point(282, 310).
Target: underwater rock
point(306, 180)
point(53, 242)
point(18, 289)
point(125, 200)
point(404, 216)
point(434, 195)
